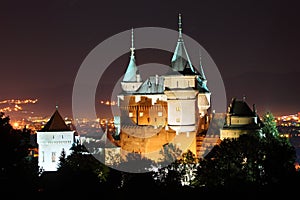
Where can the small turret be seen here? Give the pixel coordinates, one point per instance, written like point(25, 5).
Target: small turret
point(132, 79)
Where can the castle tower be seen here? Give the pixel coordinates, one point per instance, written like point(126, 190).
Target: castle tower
point(203, 99)
point(240, 119)
point(132, 79)
point(204, 94)
point(184, 87)
point(54, 138)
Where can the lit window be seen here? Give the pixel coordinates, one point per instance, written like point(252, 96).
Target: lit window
point(141, 114)
point(159, 114)
point(177, 119)
point(130, 114)
point(177, 108)
point(53, 157)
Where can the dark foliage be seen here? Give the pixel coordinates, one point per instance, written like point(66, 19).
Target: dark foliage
point(18, 170)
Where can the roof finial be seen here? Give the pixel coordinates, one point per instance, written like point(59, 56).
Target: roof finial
point(56, 107)
point(244, 97)
point(179, 26)
point(132, 47)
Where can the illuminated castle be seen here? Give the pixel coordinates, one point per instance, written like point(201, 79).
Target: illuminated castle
point(163, 109)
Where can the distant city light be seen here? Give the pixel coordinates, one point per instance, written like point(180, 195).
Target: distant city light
point(16, 125)
point(288, 120)
point(108, 103)
point(15, 104)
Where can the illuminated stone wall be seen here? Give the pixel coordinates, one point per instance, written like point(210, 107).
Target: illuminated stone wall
point(150, 141)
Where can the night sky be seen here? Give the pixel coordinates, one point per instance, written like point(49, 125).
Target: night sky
point(255, 45)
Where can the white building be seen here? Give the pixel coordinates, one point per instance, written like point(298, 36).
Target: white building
point(54, 138)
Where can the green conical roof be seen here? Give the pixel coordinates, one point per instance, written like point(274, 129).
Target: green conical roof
point(180, 61)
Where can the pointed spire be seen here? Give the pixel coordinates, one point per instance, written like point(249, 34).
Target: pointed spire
point(201, 79)
point(179, 26)
point(201, 68)
point(132, 46)
point(132, 73)
point(180, 61)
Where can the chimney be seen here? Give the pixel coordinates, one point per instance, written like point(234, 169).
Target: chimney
point(254, 108)
point(138, 78)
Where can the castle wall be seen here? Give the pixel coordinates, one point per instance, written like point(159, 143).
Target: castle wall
point(203, 103)
point(144, 139)
point(149, 141)
point(51, 145)
point(179, 81)
point(233, 133)
point(144, 112)
point(181, 112)
point(237, 120)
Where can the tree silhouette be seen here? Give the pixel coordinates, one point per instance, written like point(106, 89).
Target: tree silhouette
point(62, 159)
point(252, 162)
point(170, 153)
point(178, 175)
point(80, 169)
point(270, 128)
point(280, 155)
point(18, 170)
point(136, 163)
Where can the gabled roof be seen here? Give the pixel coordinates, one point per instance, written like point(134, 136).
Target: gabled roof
point(56, 123)
point(153, 85)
